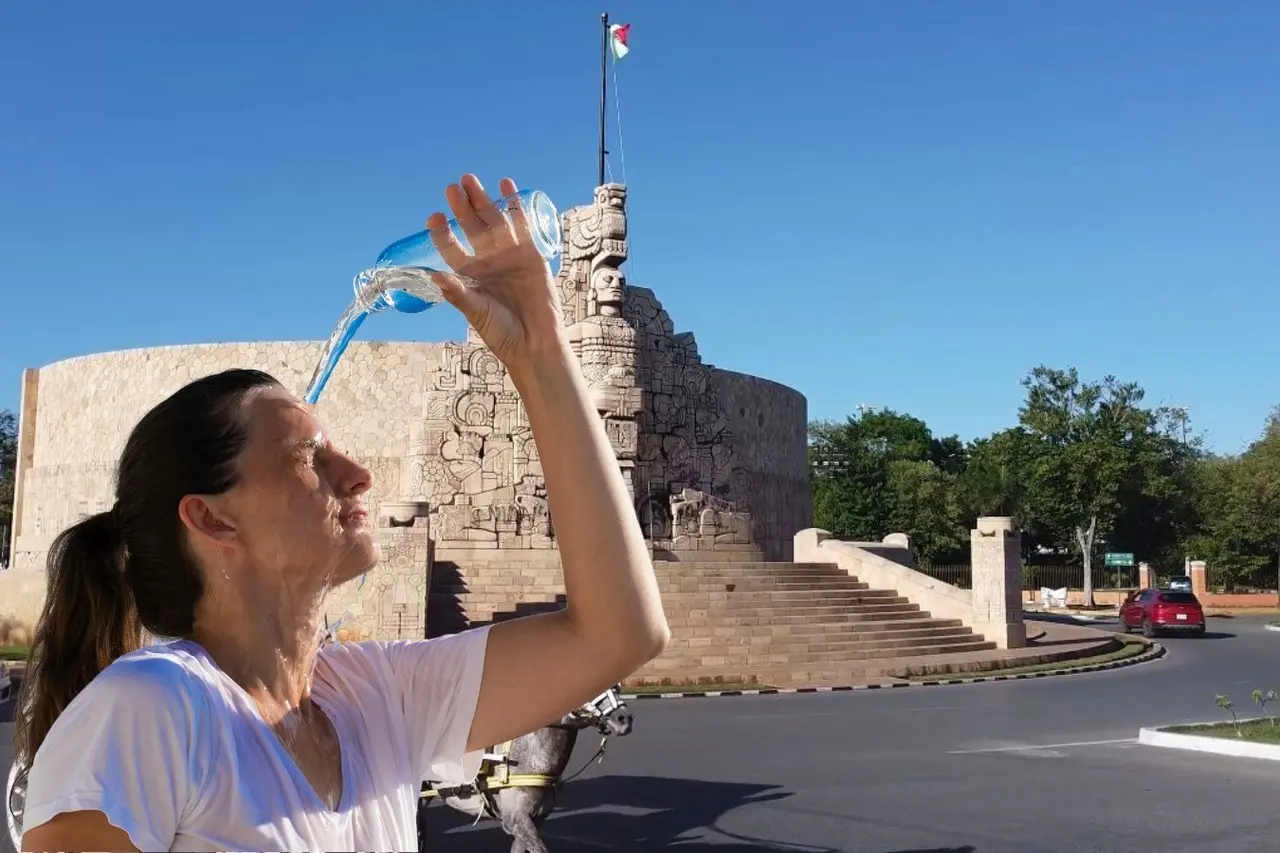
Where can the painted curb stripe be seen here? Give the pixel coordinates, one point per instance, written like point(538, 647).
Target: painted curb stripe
point(1155, 652)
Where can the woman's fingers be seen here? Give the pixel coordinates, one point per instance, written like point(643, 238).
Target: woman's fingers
point(481, 221)
point(516, 211)
point(458, 294)
point(445, 242)
point(486, 211)
point(472, 225)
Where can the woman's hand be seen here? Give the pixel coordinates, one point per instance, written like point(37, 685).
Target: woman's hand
point(509, 296)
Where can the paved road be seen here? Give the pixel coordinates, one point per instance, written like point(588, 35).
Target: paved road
point(1010, 767)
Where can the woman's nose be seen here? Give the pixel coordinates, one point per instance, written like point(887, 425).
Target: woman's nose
point(351, 478)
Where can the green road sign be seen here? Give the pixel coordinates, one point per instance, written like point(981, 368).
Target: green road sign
point(1119, 559)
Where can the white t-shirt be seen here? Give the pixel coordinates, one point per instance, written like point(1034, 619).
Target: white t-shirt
point(177, 755)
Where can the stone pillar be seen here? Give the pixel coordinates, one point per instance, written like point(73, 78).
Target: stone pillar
point(1146, 576)
point(1199, 577)
point(404, 535)
point(997, 582)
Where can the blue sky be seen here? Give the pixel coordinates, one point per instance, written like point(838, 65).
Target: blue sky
point(894, 204)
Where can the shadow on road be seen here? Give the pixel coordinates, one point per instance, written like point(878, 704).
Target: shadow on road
point(1069, 619)
point(628, 813)
point(1208, 635)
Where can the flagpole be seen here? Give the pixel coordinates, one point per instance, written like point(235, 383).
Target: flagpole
point(604, 89)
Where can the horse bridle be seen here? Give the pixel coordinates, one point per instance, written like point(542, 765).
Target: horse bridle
point(598, 710)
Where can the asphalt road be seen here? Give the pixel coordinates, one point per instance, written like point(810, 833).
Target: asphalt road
point(1006, 767)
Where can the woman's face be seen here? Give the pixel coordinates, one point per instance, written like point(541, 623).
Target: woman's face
point(298, 509)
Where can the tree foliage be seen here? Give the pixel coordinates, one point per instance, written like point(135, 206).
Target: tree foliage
point(8, 473)
point(884, 471)
point(1089, 467)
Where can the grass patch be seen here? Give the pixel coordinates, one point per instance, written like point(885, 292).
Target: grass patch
point(692, 688)
point(1257, 731)
point(1130, 647)
point(13, 652)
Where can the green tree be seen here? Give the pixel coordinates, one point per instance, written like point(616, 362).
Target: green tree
point(1226, 530)
point(8, 474)
point(1250, 517)
point(994, 480)
point(884, 471)
point(1093, 449)
point(924, 505)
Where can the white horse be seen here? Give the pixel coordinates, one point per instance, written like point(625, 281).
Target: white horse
point(517, 781)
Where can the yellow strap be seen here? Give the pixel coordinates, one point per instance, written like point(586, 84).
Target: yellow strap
point(521, 780)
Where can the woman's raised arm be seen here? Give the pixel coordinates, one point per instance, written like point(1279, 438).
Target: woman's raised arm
point(540, 667)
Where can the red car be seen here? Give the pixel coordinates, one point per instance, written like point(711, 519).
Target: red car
point(1156, 610)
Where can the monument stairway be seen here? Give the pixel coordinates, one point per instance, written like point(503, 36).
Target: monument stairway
point(736, 622)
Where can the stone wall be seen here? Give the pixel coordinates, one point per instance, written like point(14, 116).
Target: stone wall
point(769, 423)
point(87, 406)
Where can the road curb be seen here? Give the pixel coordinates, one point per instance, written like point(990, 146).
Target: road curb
point(1161, 736)
point(1154, 652)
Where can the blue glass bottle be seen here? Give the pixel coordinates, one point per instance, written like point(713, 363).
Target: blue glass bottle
point(406, 259)
point(400, 278)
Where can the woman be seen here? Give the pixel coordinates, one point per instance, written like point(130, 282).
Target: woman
point(234, 516)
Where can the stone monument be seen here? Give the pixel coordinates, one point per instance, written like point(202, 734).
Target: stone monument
point(471, 455)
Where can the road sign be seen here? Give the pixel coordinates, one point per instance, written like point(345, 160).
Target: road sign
point(1119, 559)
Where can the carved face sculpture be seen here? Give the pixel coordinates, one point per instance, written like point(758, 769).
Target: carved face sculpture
point(607, 284)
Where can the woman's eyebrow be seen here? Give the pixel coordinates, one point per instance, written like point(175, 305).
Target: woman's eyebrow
point(316, 443)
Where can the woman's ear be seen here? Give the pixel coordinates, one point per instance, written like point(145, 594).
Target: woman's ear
point(205, 519)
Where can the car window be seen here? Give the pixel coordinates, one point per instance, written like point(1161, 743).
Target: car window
point(1178, 598)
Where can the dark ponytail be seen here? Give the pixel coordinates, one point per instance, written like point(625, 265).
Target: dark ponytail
point(89, 620)
point(115, 573)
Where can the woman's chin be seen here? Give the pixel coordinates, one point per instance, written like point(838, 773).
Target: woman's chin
point(360, 559)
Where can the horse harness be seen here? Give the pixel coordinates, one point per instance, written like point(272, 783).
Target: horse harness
point(495, 766)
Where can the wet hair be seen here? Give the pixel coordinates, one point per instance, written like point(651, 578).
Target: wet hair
point(113, 574)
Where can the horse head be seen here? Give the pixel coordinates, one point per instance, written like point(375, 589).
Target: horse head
point(607, 713)
point(618, 721)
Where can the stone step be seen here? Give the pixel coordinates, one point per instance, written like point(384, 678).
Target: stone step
point(782, 597)
point(796, 610)
point(791, 617)
point(823, 570)
point(681, 646)
point(762, 583)
point(744, 663)
point(756, 565)
point(863, 630)
point(683, 584)
point(769, 570)
point(680, 602)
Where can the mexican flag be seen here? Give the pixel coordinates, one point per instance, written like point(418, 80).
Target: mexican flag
point(618, 39)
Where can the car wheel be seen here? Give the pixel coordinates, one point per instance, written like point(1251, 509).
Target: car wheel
point(1149, 629)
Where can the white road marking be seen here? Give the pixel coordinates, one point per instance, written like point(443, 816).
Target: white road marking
point(1034, 747)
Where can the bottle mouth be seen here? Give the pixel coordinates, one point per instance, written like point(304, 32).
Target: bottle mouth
point(544, 223)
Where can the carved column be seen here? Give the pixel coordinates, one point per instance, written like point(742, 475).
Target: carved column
point(997, 582)
point(593, 292)
point(402, 579)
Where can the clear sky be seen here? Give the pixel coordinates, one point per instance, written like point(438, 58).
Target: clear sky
point(893, 204)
